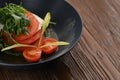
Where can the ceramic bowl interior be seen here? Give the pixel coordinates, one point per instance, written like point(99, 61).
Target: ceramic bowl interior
point(68, 27)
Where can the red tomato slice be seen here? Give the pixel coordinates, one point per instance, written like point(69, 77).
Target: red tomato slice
point(33, 28)
point(32, 54)
point(28, 41)
point(49, 49)
point(32, 39)
point(37, 42)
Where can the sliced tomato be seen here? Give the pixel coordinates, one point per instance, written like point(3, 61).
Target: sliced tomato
point(49, 49)
point(37, 42)
point(33, 31)
point(32, 39)
point(33, 28)
point(32, 54)
point(28, 41)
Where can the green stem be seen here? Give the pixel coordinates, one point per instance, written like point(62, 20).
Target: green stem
point(12, 38)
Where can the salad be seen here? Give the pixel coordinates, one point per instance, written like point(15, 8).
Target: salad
point(23, 32)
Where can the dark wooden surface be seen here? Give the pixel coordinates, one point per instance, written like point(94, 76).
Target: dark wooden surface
point(95, 57)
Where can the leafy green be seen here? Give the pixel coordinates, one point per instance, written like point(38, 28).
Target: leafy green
point(1, 42)
point(13, 19)
point(12, 52)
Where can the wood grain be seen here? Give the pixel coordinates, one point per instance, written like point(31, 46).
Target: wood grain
point(95, 57)
point(100, 40)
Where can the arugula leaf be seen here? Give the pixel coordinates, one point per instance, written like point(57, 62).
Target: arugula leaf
point(12, 52)
point(13, 19)
point(2, 44)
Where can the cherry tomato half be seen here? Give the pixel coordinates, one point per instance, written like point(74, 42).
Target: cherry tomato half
point(49, 49)
point(32, 54)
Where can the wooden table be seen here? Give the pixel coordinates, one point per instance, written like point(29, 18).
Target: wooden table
point(95, 57)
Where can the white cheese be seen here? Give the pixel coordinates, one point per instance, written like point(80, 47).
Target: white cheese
point(40, 20)
point(1, 26)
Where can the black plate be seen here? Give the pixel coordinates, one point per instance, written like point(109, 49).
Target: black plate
point(68, 28)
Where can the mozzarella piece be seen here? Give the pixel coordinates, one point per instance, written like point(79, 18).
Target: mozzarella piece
point(40, 20)
point(1, 26)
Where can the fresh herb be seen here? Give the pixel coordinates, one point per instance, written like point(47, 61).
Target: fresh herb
point(2, 44)
point(13, 19)
point(12, 52)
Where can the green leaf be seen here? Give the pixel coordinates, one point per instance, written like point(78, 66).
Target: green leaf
point(12, 52)
point(13, 18)
point(55, 43)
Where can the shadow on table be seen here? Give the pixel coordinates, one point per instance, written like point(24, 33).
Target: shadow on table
point(55, 70)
